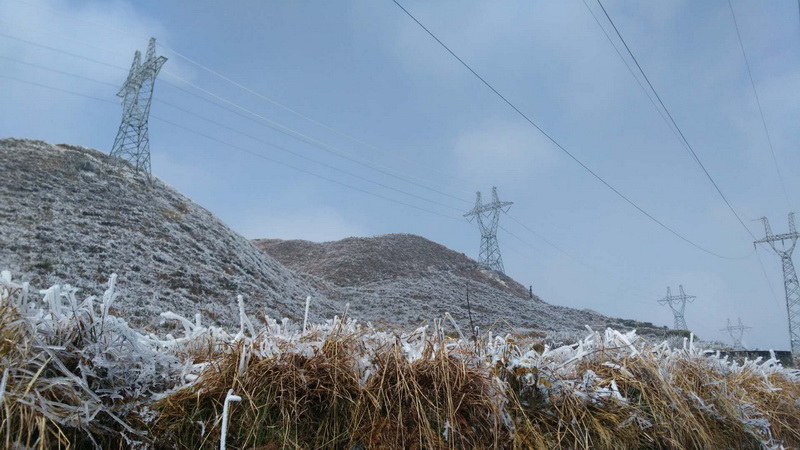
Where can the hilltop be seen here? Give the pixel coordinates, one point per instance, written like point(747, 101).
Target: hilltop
point(72, 214)
point(407, 279)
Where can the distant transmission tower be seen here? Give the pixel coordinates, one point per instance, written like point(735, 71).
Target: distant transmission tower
point(736, 332)
point(132, 142)
point(487, 216)
point(678, 305)
point(789, 277)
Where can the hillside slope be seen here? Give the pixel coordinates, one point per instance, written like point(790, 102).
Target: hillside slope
point(407, 279)
point(69, 215)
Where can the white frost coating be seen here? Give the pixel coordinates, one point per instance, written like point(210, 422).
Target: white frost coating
point(244, 321)
point(4, 380)
point(455, 325)
point(146, 366)
point(305, 316)
point(187, 325)
point(242, 361)
point(224, 432)
point(109, 295)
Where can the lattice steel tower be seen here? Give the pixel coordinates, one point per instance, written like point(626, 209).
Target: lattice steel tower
point(678, 305)
point(488, 216)
point(788, 241)
point(132, 142)
point(736, 332)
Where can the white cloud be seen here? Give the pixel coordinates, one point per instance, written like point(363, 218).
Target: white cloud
point(311, 224)
point(109, 32)
point(501, 150)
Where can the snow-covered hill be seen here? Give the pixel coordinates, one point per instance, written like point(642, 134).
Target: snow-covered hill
point(407, 279)
point(68, 214)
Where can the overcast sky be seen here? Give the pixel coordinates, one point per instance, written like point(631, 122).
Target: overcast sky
point(382, 92)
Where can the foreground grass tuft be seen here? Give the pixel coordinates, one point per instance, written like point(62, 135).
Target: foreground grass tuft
point(76, 376)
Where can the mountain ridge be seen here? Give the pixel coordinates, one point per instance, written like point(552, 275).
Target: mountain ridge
point(412, 279)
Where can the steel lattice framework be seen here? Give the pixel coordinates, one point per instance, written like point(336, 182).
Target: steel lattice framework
point(488, 217)
point(133, 142)
point(790, 284)
point(736, 332)
point(678, 305)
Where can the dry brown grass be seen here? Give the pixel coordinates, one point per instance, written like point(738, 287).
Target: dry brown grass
point(318, 401)
point(347, 388)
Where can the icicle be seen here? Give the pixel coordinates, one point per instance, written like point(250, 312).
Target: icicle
point(242, 360)
point(455, 325)
point(25, 288)
point(244, 321)
point(305, 316)
point(55, 300)
point(109, 295)
point(228, 399)
point(3, 385)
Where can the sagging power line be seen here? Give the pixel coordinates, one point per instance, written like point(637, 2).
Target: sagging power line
point(259, 119)
point(758, 103)
point(672, 120)
point(556, 143)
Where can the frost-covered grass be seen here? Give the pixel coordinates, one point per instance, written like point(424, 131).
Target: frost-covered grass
point(75, 375)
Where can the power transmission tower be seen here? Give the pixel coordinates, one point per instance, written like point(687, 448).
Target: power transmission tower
point(133, 142)
point(790, 284)
point(678, 305)
point(736, 332)
point(488, 216)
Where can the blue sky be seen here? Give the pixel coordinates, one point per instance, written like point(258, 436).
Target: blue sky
point(399, 103)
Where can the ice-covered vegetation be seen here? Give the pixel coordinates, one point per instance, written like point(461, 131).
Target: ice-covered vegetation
point(75, 374)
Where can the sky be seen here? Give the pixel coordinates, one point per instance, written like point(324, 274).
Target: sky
point(346, 119)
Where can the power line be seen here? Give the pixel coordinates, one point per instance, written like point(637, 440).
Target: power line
point(551, 139)
point(244, 134)
point(562, 251)
point(763, 270)
point(50, 69)
point(633, 74)
point(594, 268)
point(74, 55)
point(303, 116)
point(300, 155)
point(272, 124)
point(242, 149)
point(758, 102)
point(246, 89)
point(658, 97)
point(307, 139)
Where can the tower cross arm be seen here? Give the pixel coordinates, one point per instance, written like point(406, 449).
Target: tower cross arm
point(778, 237)
point(490, 207)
